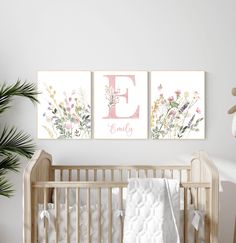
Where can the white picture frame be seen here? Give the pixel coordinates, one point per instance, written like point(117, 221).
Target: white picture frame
point(177, 102)
point(64, 111)
point(120, 103)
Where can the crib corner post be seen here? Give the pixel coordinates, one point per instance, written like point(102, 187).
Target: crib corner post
point(39, 168)
point(204, 170)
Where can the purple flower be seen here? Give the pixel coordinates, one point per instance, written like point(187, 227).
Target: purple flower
point(198, 110)
point(178, 92)
point(184, 107)
point(171, 98)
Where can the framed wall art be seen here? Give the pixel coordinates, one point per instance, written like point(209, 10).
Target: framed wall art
point(64, 111)
point(177, 105)
point(120, 104)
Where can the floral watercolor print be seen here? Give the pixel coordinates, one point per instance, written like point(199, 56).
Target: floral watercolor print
point(120, 105)
point(177, 105)
point(64, 111)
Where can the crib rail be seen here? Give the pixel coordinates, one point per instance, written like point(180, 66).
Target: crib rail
point(120, 173)
point(91, 184)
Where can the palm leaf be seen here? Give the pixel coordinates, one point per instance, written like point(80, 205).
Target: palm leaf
point(10, 163)
point(5, 187)
point(14, 141)
point(24, 89)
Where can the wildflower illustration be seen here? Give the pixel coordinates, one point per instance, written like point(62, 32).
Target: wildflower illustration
point(176, 116)
point(67, 115)
point(111, 96)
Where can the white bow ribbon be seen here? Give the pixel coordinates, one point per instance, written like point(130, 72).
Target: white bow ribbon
point(198, 216)
point(44, 214)
point(119, 213)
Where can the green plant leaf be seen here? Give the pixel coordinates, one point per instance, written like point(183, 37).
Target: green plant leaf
point(174, 104)
point(27, 90)
point(9, 163)
point(14, 141)
point(6, 188)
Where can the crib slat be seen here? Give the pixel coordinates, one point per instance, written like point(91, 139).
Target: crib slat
point(162, 173)
point(112, 175)
point(57, 215)
point(188, 175)
point(45, 201)
point(78, 174)
point(78, 215)
point(99, 217)
point(110, 215)
point(146, 173)
point(121, 208)
point(70, 172)
point(61, 174)
point(185, 215)
point(155, 173)
point(35, 215)
point(95, 174)
point(121, 175)
point(103, 175)
point(86, 175)
point(128, 173)
point(67, 215)
point(88, 215)
point(171, 174)
point(196, 208)
point(207, 216)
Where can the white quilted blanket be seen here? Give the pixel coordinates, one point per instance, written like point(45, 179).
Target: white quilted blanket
point(152, 211)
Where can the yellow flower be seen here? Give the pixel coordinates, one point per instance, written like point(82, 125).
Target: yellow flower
point(186, 94)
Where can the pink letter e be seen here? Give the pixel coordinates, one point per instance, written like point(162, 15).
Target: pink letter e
point(112, 109)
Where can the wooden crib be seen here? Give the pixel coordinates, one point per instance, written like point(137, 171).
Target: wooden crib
point(199, 182)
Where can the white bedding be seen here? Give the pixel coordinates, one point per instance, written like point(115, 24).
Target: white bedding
point(116, 213)
point(152, 211)
point(116, 224)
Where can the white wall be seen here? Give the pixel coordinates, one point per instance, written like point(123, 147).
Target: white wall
point(119, 35)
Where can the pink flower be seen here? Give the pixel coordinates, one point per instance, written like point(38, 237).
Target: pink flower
point(198, 110)
point(172, 113)
point(171, 98)
point(68, 125)
point(178, 92)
